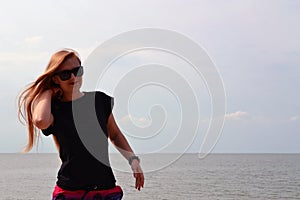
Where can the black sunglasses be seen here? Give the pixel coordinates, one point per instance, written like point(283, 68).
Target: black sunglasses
point(66, 74)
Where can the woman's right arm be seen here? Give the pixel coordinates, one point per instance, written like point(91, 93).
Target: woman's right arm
point(42, 117)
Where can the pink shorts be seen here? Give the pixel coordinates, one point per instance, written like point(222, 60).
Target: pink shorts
point(115, 193)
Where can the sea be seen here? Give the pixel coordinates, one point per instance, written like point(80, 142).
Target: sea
point(167, 176)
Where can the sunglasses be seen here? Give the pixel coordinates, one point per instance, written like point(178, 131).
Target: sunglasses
point(66, 74)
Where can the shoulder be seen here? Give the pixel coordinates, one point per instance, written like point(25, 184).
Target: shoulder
point(102, 94)
point(99, 95)
point(96, 93)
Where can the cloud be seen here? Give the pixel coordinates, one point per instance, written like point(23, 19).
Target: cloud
point(19, 57)
point(238, 115)
point(34, 40)
point(295, 118)
point(139, 121)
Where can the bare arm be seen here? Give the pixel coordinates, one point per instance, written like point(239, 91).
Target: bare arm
point(120, 142)
point(42, 117)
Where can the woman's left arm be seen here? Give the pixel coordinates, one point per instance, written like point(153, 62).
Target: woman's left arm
point(120, 142)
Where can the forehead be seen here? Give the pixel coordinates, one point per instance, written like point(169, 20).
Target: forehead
point(69, 63)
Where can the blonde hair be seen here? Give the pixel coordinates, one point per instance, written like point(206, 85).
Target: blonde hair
point(34, 90)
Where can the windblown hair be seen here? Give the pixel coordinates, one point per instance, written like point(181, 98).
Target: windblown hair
point(34, 90)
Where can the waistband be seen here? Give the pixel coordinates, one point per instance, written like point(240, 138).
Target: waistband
point(87, 188)
point(113, 193)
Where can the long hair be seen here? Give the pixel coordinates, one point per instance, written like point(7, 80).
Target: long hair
point(34, 90)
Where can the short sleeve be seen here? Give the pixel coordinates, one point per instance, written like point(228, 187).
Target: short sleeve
point(109, 105)
point(48, 131)
point(104, 103)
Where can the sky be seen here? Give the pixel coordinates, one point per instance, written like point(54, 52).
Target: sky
point(254, 44)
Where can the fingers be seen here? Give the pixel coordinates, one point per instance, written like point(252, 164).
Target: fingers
point(139, 180)
point(138, 175)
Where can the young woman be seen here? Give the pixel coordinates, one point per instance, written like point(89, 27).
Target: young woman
point(47, 104)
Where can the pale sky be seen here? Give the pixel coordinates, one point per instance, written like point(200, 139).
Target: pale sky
point(254, 44)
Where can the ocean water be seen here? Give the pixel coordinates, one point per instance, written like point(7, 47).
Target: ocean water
point(218, 176)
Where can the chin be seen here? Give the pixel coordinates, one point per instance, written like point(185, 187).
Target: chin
point(76, 87)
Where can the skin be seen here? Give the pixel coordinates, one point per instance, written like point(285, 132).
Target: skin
point(43, 118)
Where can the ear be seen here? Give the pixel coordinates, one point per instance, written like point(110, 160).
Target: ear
point(55, 79)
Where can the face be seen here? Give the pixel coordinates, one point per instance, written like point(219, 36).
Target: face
point(72, 84)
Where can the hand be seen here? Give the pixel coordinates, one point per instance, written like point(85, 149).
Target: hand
point(138, 174)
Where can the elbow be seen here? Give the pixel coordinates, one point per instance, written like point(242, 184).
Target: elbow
point(115, 137)
point(41, 123)
point(112, 137)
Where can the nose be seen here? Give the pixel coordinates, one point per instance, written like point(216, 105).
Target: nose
point(72, 76)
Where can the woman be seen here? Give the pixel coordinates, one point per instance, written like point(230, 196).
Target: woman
point(48, 103)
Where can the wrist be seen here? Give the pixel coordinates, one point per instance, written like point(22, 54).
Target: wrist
point(131, 158)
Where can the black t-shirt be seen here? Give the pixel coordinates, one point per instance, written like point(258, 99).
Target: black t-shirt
point(80, 127)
